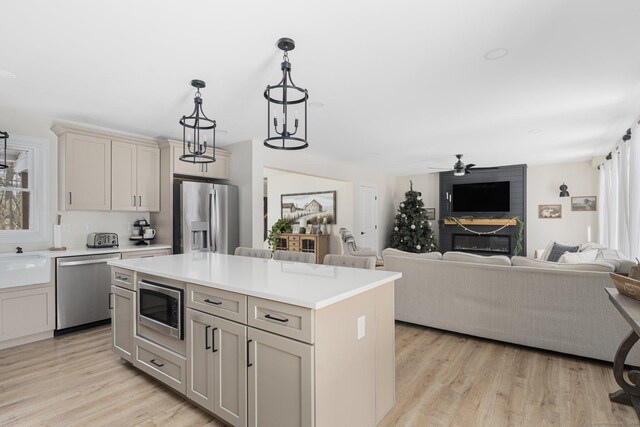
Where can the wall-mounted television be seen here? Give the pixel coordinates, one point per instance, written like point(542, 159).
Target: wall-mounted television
point(481, 197)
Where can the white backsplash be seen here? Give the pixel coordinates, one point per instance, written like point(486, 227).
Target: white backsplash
point(76, 226)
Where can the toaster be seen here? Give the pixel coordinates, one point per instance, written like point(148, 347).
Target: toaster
point(102, 240)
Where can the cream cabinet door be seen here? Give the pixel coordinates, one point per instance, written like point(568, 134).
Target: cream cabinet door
point(200, 369)
point(123, 176)
point(280, 381)
point(122, 321)
point(148, 179)
point(230, 371)
point(87, 173)
point(218, 169)
point(185, 168)
point(26, 312)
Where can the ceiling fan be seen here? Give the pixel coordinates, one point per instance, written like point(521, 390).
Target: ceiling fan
point(460, 169)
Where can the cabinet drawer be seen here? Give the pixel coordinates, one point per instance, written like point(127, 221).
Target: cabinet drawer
point(294, 239)
point(161, 364)
point(123, 278)
point(294, 244)
point(225, 304)
point(280, 318)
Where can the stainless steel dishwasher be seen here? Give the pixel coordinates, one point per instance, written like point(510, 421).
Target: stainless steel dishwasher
point(83, 284)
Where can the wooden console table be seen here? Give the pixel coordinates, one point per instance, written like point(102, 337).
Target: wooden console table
point(630, 392)
point(317, 244)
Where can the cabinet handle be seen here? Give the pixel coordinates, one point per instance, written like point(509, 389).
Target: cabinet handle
point(159, 365)
point(213, 340)
point(70, 197)
point(110, 306)
point(249, 364)
point(213, 302)
point(134, 200)
point(139, 200)
point(206, 337)
point(268, 316)
point(123, 278)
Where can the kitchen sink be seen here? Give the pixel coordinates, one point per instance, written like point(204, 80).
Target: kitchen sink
point(24, 269)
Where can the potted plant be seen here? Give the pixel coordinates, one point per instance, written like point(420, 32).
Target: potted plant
point(280, 226)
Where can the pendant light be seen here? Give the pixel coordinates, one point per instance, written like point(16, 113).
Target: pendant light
point(195, 130)
point(3, 161)
point(285, 97)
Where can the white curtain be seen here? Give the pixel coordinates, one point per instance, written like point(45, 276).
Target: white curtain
point(619, 198)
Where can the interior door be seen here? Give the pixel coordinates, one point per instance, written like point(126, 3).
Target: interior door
point(368, 215)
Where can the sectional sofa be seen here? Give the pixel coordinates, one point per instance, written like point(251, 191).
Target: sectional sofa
point(518, 300)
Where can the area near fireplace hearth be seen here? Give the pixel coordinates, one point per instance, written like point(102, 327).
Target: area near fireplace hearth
point(483, 201)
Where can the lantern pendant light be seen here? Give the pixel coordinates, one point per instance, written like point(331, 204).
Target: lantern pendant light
point(195, 129)
point(3, 160)
point(286, 100)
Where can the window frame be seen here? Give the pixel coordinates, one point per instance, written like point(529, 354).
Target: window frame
point(39, 207)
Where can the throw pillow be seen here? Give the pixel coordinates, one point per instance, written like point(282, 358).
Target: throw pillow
point(547, 250)
point(578, 257)
point(558, 250)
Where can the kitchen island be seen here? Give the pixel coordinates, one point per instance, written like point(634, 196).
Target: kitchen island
point(261, 342)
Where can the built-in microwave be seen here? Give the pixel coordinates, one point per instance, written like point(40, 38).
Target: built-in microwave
point(160, 308)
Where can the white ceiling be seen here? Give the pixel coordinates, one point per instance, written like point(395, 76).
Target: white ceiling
point(404, 83)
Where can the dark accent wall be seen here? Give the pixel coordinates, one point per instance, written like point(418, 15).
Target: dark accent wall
point(515, 174)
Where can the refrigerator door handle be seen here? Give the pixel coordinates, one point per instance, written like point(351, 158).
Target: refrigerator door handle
point(212, 232)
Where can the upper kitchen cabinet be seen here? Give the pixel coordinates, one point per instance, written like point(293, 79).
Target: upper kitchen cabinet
point(135, 177)
point(99, 171)
point(84, 175)
point(216, 170)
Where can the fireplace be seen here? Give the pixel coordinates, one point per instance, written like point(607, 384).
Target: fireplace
point(493, 244)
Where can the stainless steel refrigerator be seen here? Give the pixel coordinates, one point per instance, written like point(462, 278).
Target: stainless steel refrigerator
point(205, 217)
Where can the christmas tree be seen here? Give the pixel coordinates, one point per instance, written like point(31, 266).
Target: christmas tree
point(411, 229)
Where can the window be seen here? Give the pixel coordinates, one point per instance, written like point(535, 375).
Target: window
point(15, 194)
point(23, 201)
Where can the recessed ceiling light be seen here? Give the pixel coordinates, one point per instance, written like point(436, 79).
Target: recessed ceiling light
point(316, 104)
point(494, 54)
point(7, 74)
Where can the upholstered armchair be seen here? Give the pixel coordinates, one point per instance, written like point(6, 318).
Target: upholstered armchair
point(350, 248)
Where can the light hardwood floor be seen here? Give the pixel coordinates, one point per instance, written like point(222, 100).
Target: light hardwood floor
point(442, 379)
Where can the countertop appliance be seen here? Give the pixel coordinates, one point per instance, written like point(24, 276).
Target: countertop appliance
point(102, 240)
point(83, 284)
point(205, 217)
point(160, 308)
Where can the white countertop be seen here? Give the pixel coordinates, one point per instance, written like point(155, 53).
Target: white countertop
point(96, 251)
point(307, 285)
point(34, 267)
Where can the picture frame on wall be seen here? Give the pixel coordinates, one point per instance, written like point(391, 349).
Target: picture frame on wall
point(550, 211)
point(313, 207)
point(431, 214)
point(584, 203)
